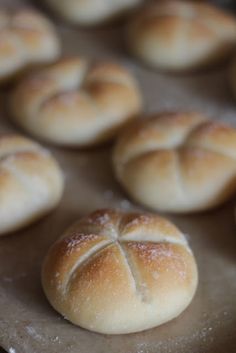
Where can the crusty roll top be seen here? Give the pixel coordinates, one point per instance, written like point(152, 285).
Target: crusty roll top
point(26, 38)
point(76, 103)
point(181, 35)
point(177, 161)
point(117, 273)
point(193, 13)
point(31, 182)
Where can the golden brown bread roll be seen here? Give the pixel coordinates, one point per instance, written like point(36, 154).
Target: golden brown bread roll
point(115, 272)
point(181, 35)
point(26, 38)
point(75, 103)
point(31, 182)
point(178, 162)
point(91, 12)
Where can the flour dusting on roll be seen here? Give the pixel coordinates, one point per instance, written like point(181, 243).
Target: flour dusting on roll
point(114, 272)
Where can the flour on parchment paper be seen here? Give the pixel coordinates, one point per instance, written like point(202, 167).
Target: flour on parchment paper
point(12, 350)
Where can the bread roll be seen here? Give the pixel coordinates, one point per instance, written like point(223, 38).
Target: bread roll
point(31, 182)
point(75, 103)
point(91, 12)
point(177, 162)
point(181, 35)
point(26, 38)
point(115, 272)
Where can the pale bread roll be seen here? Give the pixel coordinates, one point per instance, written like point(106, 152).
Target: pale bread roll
point(31, 182)
point(178, 162)
point(181, 35)
point(27, 38)
point(76, 103)
point(115, 272)
point(91, 12)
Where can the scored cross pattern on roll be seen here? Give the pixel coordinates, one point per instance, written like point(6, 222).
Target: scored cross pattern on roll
point(26, 38)
point(115, 272)
point(76, 103)
point(178, 162)
point(180, 35)
point(31, 182)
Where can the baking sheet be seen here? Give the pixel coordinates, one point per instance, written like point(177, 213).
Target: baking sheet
point(27, 322)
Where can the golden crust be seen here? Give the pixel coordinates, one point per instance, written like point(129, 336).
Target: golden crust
point(177, 162)
point(26, 38)
point(74, 103)
point(181, 35)
point(29, 176)
point(114, 272)
point(90, 12)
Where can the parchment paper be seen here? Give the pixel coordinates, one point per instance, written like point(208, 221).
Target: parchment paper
point(27, 322)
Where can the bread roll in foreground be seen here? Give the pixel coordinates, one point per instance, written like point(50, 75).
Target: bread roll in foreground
point(115, 272)
point(31, 182)
point(27, 38)
point(177, 162)
point(91, 12)
point(181, 35)
point(76, 103)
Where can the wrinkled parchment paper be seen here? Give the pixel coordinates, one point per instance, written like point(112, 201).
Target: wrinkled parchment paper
point(27, 322)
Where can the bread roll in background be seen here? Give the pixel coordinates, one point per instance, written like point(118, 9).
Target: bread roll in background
point(177, 162)
point(114, 272)
point(76, 103)
point(31, 182)
point(91, 12)
point(27, 38)
point(181, 35)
